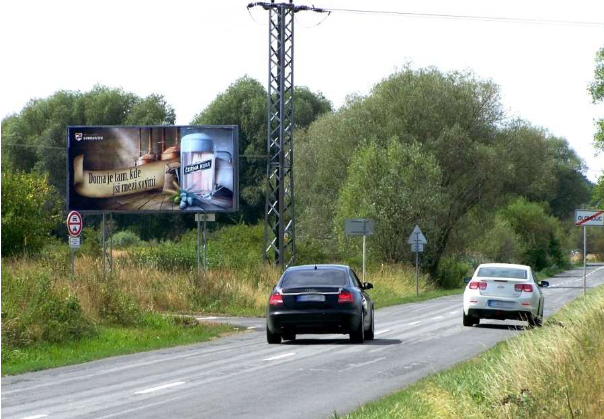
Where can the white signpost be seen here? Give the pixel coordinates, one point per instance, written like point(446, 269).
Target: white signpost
point(584, 218)
point(360, 227)
point(417, 240)
point(202, 216)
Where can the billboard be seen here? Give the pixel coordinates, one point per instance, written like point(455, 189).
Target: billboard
point(152, 168)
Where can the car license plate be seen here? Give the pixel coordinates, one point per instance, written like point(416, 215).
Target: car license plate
point(314, 298)
point(500, 304)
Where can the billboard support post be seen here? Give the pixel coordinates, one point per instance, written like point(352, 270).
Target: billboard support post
point(104, 245)
point(198, 246)
point(111, 243)
point(205, 248)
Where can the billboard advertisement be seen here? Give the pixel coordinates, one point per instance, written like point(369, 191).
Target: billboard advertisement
point(152, 168)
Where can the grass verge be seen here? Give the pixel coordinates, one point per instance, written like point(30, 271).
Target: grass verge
point(155, 332)
point(553, 372)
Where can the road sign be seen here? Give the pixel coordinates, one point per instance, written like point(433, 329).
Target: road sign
point(74, 242)
point(205, 217)
point(359, 227)
point(417, 248)
point(589, 217)
point(74, 223)
point(417, 236)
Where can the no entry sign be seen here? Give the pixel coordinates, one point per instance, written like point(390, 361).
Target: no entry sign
point(74, 223)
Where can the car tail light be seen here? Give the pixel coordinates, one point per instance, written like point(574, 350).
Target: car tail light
point(345, 296)
point(523, 288)
point(476, 285)
point(275, 300)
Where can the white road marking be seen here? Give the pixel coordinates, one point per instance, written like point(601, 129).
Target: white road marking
point(35, 417)
point(208, 318)
point(454, 312)
point(413, 324)
point(379, 332)
point(251, 327)
point(362, 364)
point(437, 318)
point(152, 389)
point(274, 358)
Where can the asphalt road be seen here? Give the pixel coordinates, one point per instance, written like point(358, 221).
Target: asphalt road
point(242, 376)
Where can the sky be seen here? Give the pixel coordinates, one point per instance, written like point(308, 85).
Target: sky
point(190, 51)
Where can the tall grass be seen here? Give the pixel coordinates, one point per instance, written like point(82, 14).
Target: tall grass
point(553, 372)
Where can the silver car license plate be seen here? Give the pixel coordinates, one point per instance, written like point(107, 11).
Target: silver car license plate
point(500, 304)
point(314, 298)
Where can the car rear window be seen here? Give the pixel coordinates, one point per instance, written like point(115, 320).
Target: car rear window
point(304, 278)
point(502, 273)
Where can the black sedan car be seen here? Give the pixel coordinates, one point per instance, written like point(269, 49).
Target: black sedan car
point(313, 299)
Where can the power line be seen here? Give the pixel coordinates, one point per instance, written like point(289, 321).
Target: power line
point(467, 17)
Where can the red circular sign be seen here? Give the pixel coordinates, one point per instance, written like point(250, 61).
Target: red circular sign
point(74, 223)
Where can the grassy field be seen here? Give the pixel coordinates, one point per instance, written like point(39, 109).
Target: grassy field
point(50, 318)
point(553, 372)
point(155, 332)
point(242, 291)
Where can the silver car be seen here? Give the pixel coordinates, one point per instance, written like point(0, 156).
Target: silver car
point(503, 291)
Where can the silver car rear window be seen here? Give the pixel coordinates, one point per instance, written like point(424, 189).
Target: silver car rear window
point(502, 273)
point(304, 278)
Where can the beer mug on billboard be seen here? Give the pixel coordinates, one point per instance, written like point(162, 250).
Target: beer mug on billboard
point(198, 164)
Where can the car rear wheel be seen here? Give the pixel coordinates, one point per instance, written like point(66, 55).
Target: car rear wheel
point(273, 338)
point(370, 334)
point(535, 321)
point(358, 335)
point(469, 320)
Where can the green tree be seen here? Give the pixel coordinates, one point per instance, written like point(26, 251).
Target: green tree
point(598, 193)
point(452, 116)
point(35, 140)
point(597, 94)
point(244, 104)
point(30, 210)
point(395, 186)
point(541, 234)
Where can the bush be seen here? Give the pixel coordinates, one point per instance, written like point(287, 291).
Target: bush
point(34, 310)
point(125, 239)
point(30, 211)
point(541, 234)
point(237, 246)
point(500, 243)
point(451, 272)
point(118, 308)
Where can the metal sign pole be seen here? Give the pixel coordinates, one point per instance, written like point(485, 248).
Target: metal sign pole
point(417, 271)
point(364, 247)
point(72, 267)
point(104, 246)
point(584, 261)
point(416, 264)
